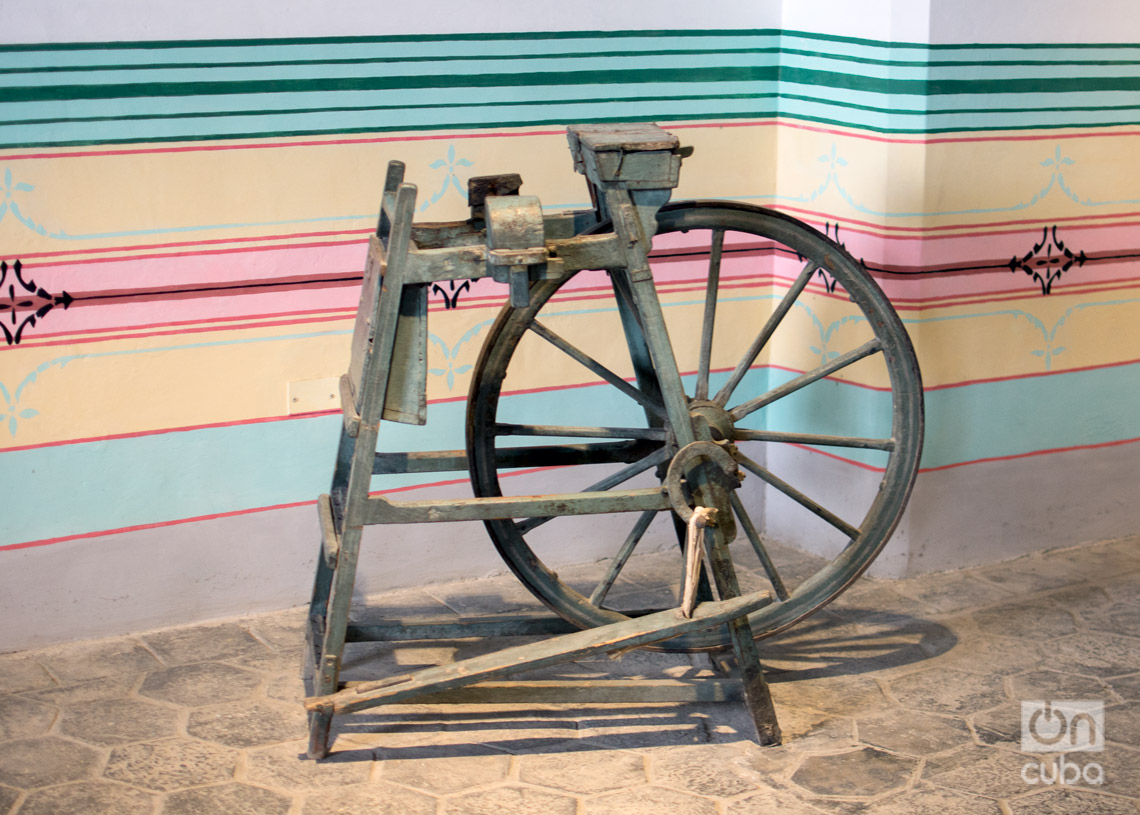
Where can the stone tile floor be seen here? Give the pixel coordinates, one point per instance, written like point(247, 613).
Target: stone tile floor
point(901, 697)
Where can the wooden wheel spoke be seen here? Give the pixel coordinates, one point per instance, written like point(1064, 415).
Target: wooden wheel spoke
point(711, 289)
point(598, 368)
point(758, 546)
point(608, 483)
point(743, 434)
point(618, 563)
point(564, 431)
point(782, 309)
point(837, 364)
point(797, 496)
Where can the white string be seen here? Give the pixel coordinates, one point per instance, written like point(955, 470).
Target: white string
point(701, 518)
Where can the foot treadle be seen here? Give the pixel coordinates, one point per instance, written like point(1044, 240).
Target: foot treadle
point(617, 636)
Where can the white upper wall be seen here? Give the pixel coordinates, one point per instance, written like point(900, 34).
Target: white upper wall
point(997, 21)
point(110, 20)
point(943, 21)
point(886, 20)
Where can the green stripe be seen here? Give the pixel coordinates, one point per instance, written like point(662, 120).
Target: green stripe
point(153, 66)
point(373, 83)
point(830, 79)
point(951, 63)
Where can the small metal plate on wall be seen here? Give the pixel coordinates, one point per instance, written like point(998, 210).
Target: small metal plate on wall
point(311, 395)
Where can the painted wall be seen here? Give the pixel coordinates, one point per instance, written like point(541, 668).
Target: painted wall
point(189, 203)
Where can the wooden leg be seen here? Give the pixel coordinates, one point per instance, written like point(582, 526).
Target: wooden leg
point(329, 607)
point(332, 643)
point(320, 721)
point(323, 582)
point(757, 696)
point(318, 613)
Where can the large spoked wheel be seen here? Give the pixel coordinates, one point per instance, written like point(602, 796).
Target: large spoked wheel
point(790, 355)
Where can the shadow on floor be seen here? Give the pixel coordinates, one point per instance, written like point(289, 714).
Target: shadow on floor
point(823, 646)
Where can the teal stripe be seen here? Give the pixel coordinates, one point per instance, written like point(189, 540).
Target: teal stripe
point(150, 479)
point(372, 83)
point(73, 489)
point(435, 118)
point(430, 97)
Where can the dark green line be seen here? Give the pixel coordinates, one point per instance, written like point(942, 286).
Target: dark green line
point(951, 63)
point(939, 87)
point(375, 83)
point(894, 63)
point(952, 111)
point(385, 60)
point(831, 79)
point(562, 123)
point(546, 35)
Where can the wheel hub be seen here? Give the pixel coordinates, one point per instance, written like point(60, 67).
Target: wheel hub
point(711, 421)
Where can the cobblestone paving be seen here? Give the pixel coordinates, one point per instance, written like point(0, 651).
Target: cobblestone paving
point(901, 697)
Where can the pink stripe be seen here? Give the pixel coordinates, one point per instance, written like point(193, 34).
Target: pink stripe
point(234, 513)
point(1100, 446)
point(899, 303)
point(209, 148)
point(965, 383)
point(220, 323)
point(83, 340)
point(1060, 289)
point(260, 420)
point(916, 140)
point(283, 297)
point(816, 216)
point(267, 145)
point(144, 246)
point(160, 524)
point(204, 253)
point(1012, 457)
point(184, 429)
point(861, 465)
